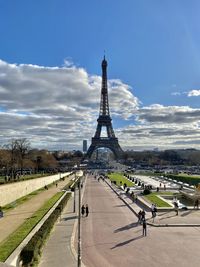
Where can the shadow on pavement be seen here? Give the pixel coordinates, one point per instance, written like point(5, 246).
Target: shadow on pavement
point(98, 244)
point(69, 218)
point(161, 214)
point(186, 213)
point(127, 241)
point(174, 215)
point(117, 206)
point(126, 227)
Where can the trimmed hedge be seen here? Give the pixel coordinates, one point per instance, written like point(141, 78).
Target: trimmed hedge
point(31, 252)
point(189, 180)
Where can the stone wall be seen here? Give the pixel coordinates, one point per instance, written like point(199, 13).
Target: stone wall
point(10, 192)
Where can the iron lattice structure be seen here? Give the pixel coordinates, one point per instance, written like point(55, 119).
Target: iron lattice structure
point(104, 120)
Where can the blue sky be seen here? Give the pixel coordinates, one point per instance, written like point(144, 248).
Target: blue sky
point(153, 53)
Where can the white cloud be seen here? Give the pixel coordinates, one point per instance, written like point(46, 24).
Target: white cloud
point(56, 105)
point(163, 127)
point(193, 93)
point(168, 114)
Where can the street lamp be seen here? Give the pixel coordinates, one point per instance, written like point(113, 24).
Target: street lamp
point(79, 174)
point(75, 193)
point(79, 224)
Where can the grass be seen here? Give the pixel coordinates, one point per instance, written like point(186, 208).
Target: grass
point(13, 240)
point(153, 198)
point(118, 177)
point(189, 176)
point(191, 180)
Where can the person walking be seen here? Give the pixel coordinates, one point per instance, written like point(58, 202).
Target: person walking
point(176, 207)
point(1, 212)
point(196, 203)
point(83, 210)
point(144, 228)
point(86, 210)
point(152, 210)
point(143, 215)
point(139, 216)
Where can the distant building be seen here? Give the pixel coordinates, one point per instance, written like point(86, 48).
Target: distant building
point(84, 146)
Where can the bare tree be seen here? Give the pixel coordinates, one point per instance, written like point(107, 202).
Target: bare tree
point(12, 158)
point(4, 160)
point(22, 149)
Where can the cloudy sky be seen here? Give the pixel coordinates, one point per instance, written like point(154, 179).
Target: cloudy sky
point(50, 71)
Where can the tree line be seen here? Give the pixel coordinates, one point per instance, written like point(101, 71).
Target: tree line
point(19, 158)
point(190, 157)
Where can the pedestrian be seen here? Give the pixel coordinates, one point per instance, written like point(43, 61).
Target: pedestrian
point(136, 199)
point(133, 196)
point(176, 207)
point(1, 212)
point(196, 204)
point(144, 228)
point(139, 216)
point(86, 210)
point(152, 210)
point(143, 215)
point(56, 185)
point(83, 210)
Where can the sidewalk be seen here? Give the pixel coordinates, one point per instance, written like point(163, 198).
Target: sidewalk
point(14, 218)
point(57, 251)
point(163, 219)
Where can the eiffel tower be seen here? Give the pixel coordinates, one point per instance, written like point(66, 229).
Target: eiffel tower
point(105, 120)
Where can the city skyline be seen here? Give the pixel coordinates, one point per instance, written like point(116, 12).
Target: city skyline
point(50, 72)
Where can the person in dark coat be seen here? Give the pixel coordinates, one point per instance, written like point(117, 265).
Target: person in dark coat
point(86, 210)
point(144, 228)
point(83, 210)
point(143, 215)
point(1, 212)
point(140, 216)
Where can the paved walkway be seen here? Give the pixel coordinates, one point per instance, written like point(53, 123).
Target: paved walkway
point(57, 251)
point(58, 248)
point(111, 236)
point(185, 217)
point(15, 217)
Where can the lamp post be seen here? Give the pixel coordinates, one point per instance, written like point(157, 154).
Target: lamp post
point(79, 223)
point(75, 194)
point(79, 174)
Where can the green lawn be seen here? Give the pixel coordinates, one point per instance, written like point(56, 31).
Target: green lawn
point(11, 242)
point(118, 177)
point(189, 175)
point(153, 198)
point(185, 178)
